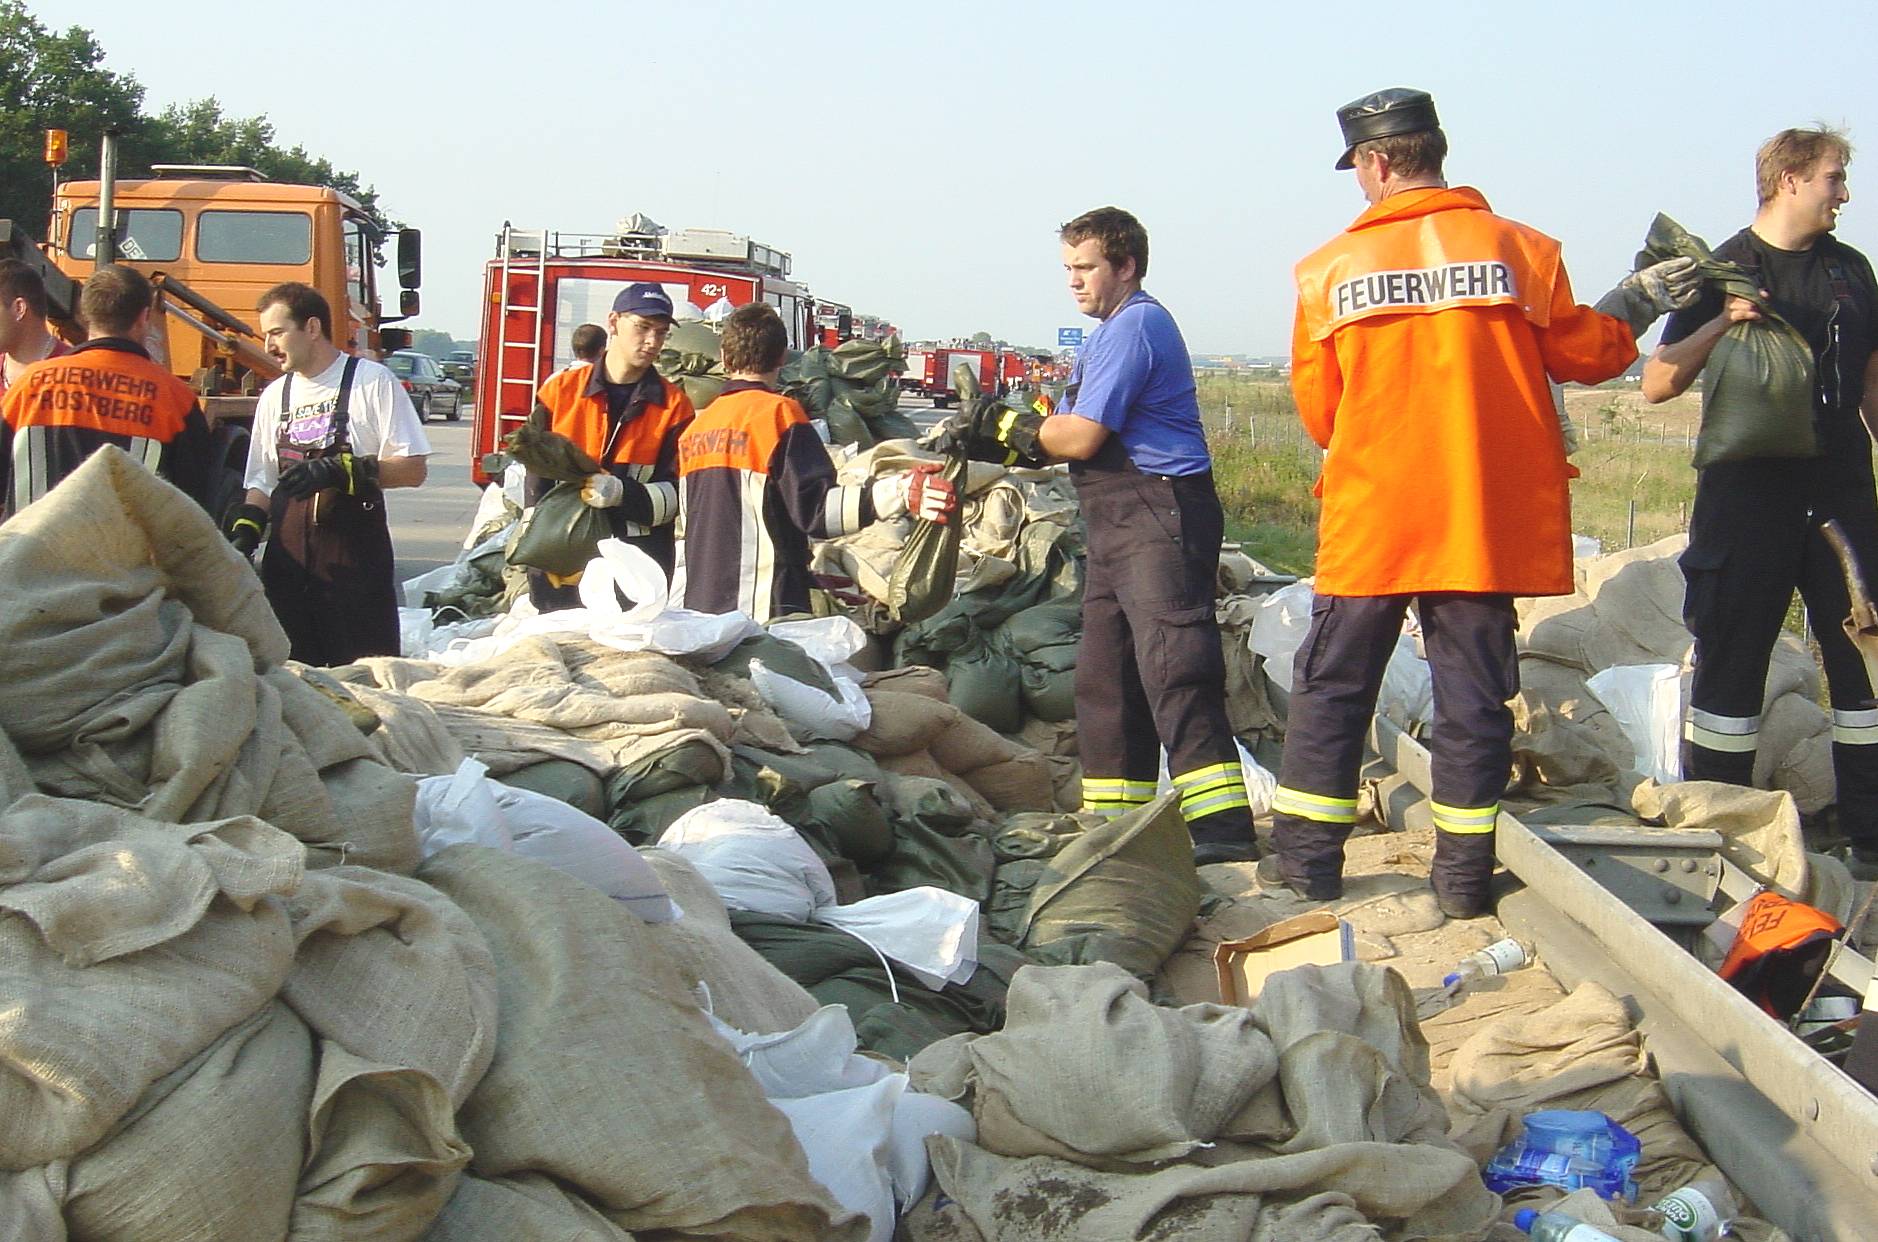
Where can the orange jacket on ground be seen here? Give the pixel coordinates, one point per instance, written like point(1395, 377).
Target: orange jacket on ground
point(1424, 338)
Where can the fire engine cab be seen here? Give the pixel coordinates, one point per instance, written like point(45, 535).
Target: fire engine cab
point(541, 285)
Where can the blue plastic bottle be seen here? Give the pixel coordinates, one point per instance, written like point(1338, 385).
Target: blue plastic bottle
point(1569, 1150)
point(1557, 1227)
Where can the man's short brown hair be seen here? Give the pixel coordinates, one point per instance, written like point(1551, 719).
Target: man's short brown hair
point(112, 299)
point(1419, 154)
point(1796, 151)
point(589, 341)
point(1121, 235)
point(754, 339)
point(18, 281)
point(303, 302)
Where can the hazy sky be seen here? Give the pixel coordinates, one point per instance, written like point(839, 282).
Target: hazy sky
point(916, 159)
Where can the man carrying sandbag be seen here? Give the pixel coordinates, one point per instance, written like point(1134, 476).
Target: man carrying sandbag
point(1425, 336)
point(1753, 535)
point(330, 436)
point(758, 484)
point(627, 417)
point(1150, 672)
point(63, 408)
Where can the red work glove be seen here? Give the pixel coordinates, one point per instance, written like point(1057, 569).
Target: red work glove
point(930, 496)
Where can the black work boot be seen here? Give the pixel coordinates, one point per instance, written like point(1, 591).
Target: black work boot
point(1218, 850)
point(1272, 874)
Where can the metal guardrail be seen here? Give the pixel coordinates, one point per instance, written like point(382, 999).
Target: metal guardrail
point(1792, 1130)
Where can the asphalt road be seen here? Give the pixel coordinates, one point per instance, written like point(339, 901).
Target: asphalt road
point(429, 523)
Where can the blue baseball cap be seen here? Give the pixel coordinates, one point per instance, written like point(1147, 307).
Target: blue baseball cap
point(645, 299)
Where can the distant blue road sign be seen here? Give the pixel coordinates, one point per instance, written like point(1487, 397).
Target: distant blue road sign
point(1069, 338)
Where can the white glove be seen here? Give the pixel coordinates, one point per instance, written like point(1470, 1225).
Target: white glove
point(603, 490)
point(889, 493)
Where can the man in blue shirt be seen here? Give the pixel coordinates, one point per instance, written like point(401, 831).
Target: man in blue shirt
point(1149, 673)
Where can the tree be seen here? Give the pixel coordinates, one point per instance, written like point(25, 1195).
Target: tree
point(981, 338)
point(437, 344)
point(57, 81)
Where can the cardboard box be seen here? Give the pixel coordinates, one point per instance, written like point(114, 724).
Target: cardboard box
point(1316, 939)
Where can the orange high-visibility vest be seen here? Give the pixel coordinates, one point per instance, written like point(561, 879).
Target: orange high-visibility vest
point(1772, 925)
point(1424, 338)
point(581, 416)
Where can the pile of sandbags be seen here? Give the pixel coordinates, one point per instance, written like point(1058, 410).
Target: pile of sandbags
point(231, 1015)
point(692, 359)
point(854, 388)
point(1101, 1115)
point(1623, 625)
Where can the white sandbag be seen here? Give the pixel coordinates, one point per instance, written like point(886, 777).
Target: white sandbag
point(916, 1117)
point(460, 809)
point(820, 1055)
point(568, 839)
point(620, 569)
point(414, 633)
point(752, 858)
point(417, 586)
point(810, 712)
point(832, 640)
point(846, 1136)
point(1646, 700)
point(1278, 630)
point(1261, 786)
point(928, 930)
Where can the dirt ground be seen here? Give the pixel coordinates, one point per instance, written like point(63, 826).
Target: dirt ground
point(1588, 408)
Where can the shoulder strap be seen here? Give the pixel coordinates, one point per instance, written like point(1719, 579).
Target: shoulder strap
point(342, 406)
point(286, 387)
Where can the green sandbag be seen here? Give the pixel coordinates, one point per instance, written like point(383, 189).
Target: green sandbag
point(779, 656)
point(921, 855)
point(929, 801)
point(869, 400)
point(867, 362)
point(688, 763)
point(837, 969)
point(1124, 891)
point(1757, 386)
point(985, 681)
point(845, 426)
point(691, 348)
point(893, 425)
point(1050, 693)
point(925, 575)
point(561, 533)
point(702, 389)
point(564, 779)
point(850, 817)
point(645, 821)
point(845, 761)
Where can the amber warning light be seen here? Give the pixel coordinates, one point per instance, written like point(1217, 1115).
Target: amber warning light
point(55, 147)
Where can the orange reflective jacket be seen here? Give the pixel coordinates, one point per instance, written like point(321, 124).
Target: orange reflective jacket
point(1424, 340)
point(576, 405)
point(1773, 930)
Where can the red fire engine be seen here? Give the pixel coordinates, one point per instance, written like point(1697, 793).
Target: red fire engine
point(541, 285)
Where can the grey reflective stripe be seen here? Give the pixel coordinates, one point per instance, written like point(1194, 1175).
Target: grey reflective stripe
point(32, 469)
point(1729, 734)
point(841, 511)
point(148, 451)
point(664, 502)
point(1855, 728)
point(756, 555)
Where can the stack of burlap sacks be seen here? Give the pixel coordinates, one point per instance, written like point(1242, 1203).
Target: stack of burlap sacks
point(1628, 610)
point(238, 1007)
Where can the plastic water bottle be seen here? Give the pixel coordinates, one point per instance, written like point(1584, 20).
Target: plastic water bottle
point(1568, 1149)
point(1699, 1212)
point(1557, 1227)
point(1496, 959)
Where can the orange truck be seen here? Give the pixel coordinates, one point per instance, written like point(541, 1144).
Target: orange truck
point(213, 239)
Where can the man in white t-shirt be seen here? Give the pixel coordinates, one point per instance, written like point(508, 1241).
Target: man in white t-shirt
point(329, 436)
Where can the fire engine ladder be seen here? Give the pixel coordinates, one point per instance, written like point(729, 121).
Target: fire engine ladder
point(531, 262)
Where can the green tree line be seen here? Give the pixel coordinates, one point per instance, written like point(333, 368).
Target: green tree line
point(57, 80)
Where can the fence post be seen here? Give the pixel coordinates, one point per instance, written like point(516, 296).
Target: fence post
point(1630, 534)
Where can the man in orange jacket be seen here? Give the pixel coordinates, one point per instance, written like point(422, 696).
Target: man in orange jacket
point(1425, 336)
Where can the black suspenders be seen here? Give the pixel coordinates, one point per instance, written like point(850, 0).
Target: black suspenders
point(342, 407)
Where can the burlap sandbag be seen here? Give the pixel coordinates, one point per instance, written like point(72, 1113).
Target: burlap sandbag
point(212, 1152)
point(135, 946)
point(607, 1075)
point(1125, 891)
point(525, 1208)
point(392, 971)
point(743, 990)
point(410, 736)
point(1420, 1192)
point(1760, 827)
point(384, 1155)
point(903, 722)
point(1580, 1053)
point(118, 563)
point(1171, 1078)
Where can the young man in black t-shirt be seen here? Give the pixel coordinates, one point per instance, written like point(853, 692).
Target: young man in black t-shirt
point(1753, 536)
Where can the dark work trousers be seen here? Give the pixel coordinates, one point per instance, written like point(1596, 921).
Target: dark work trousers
point(1149, 671)
point(1753, 538)
point(1469, 641)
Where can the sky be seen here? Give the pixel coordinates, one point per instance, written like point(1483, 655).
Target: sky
point(917, 159)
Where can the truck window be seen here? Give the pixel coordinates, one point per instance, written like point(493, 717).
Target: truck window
point(149, 234)
point(281, 237)
point(358, 262)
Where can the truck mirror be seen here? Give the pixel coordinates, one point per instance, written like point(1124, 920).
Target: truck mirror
point(390, 340)
point(410, 260)
point(407, 303)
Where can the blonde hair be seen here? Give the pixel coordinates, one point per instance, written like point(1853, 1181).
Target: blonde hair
point(1796, 151)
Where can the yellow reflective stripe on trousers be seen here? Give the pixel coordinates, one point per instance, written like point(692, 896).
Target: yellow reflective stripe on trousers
point(1465, 819)
point(1324, 810)
point(1209, 790)
point(1105, 795)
